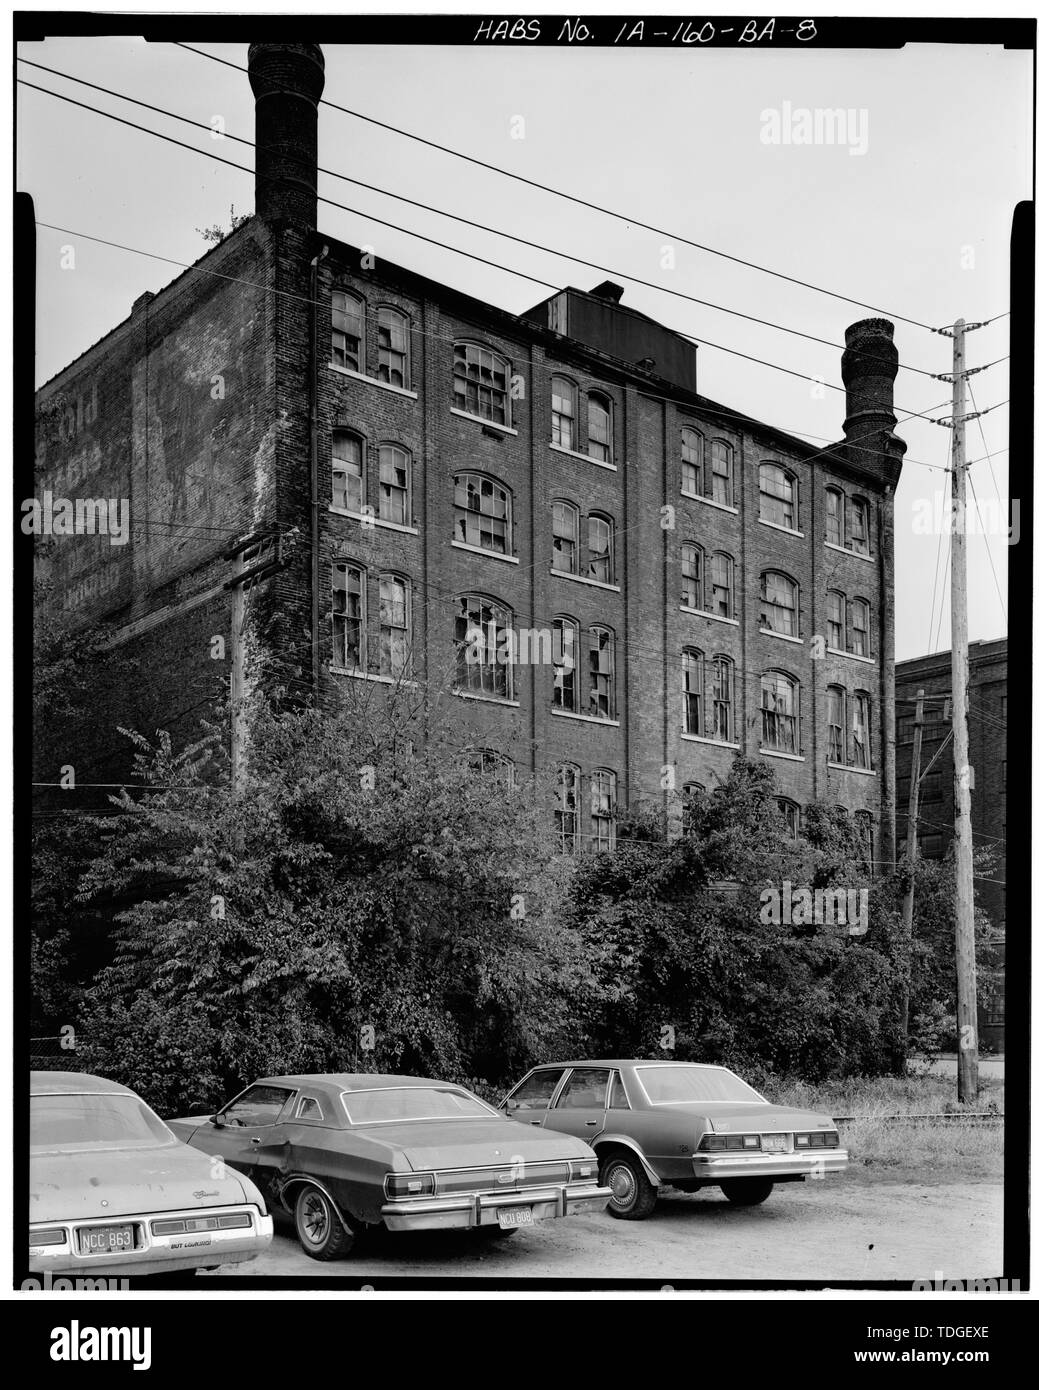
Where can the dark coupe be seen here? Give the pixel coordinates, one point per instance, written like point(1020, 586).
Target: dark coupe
point(676, 1124)
point(346, 1153)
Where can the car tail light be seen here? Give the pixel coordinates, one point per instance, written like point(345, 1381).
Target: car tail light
point(581, 1170)
point(180, 1226)
point(818, 1139)
point(408, 1184)
point(714, 1143)
point(235, 1221)
point(53, 1235)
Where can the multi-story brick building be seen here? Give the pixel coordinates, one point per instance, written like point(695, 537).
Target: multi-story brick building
point(987, 735)
point(396, 465)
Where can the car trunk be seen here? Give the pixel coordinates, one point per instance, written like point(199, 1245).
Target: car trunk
point(479, 1144)
point(74, 1185)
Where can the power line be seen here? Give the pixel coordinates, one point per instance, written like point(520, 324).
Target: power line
point(446, 246)
point(988, 549)
point(468, 222)
point(594, 207)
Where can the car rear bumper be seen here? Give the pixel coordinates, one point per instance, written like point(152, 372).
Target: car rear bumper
point(153, 1254)
point(723, 1167)
point(470, 1209)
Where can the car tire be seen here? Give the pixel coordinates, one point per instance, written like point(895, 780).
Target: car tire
point(634, 1196)
point(318, 1227)
point(747, 1192)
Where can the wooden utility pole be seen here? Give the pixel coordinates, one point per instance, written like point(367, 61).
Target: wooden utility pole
point(907, 901)
point(966, 974)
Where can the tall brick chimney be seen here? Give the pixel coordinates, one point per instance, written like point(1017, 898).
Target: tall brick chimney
point(287, 81)
point(869, 366)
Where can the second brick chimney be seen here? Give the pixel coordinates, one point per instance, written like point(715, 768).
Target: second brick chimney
point(287, 81)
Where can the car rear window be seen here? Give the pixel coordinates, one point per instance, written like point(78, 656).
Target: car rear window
point(392, 1103)
point(678, 1085)
point(94, 1122)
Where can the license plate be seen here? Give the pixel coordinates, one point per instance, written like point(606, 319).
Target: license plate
point(775, 1143)
point(515, 1216)
point(102, 1240)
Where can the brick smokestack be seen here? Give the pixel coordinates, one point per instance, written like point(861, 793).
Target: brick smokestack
point(869, 366)
point(287, 81)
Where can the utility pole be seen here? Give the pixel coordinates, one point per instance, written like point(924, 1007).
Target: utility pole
point(907, 901)
point(966, 974)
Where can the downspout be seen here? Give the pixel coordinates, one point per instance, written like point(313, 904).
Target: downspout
point(315, 528)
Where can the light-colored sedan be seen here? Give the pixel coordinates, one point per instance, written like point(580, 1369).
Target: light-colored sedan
point(113, 1192)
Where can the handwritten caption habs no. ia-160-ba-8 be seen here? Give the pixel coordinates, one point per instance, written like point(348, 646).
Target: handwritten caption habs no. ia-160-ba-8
point(681, 31)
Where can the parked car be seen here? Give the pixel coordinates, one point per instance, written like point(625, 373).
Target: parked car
point(113, 1192)
point(345, 1153)
point(676, 1124)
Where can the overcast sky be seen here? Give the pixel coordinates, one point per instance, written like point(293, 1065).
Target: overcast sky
point(672, 137)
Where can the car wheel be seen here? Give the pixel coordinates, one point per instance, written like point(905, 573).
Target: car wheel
point(321, 1233)
point(634, 1196)
point(747, 1192)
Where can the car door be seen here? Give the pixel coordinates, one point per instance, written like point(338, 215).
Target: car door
point(248, 1136)
point(580, 1107)
point(530, 1100)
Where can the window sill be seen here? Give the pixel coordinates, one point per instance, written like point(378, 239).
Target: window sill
point(583, 579)
point(586, 458)
point(481, 550)
point(711, 617)
point(844, 550)
point(775, 526)
point(486, 699)
point(851, 656)
point(355, 673)
point(710, 502)
point(775, 753)
point(783, 636)
point(584, 718)
point(482, 420)
point(847, 767)
point(373, 381)
point(370, 522)
point(713, 742)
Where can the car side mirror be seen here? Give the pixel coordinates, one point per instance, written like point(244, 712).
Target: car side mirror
point(216, 1121)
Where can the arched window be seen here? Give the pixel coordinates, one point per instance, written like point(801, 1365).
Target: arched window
point(858, 525)
point(691, 794)
point(692, 462)
point(779, 604)
point(481, 383)
point(865, 828)
point(600, 427)
point(835, 612)
point(483, 513)
point(861, 740)
point(600, 672)
point(348, 490)
point(568, 807)
point(565, 675)
point(835, 716)
point(721, 472)
point(394, 484)
point(347, 330)
point(482, 663)
point(835, 516)
point(780, 713)
point(393, 347)
point(604, 809)
point(564, 537)
point(721, 698)
point(692, 576)
point(564, 412)
point(394, 624)
point(600, 548)
point(778, 496)
point(692, 692)
point(721, 584)
point(349, 641)
point(495, 766)
point(859, 625)
point(791, 814)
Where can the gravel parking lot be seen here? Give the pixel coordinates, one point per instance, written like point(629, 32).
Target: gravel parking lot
point(840, 1230)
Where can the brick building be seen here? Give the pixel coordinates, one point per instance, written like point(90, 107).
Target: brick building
point(987, 734)
point(394, 467)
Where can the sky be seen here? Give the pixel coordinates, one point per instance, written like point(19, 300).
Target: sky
point(911, 216)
